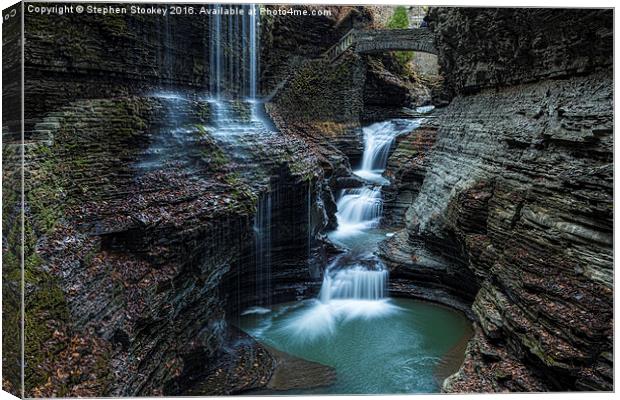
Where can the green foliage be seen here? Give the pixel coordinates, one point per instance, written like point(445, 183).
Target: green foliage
point(404, 57)
point(400, 19)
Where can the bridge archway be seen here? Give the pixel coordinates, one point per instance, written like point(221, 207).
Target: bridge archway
point(377, 41)
point(383, 40)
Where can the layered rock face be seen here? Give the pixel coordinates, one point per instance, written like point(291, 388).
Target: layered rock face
point(102, 56)
point(518, 196)
point(134, 240)
point(11, 200)
point(288, 41)
point(507, 46)
point(141, 224)
point(406, 169)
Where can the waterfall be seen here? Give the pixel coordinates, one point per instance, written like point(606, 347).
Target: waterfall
point(351, 287)
point(262, 239)
point(165, 59)
point(359, 209)
point(309, 222)
point(234, 80)
point(378, 140)
point(215, 59)
point(347, 293)
point(355, 283)
point(234, 60)
point(253, 51)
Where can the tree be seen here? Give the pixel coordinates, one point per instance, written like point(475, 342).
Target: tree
point(400, 20)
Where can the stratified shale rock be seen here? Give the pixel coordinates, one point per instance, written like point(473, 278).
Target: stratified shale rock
point(520, 186)
point(288, 41)
point(501, 46)
point(138, 221)
point(102, 56)
point(12, 124)
point(406, 169)
point(385, 91)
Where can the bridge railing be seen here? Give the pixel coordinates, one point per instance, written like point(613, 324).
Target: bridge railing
point(343, 44)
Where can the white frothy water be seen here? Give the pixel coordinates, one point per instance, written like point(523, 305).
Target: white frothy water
point(424, 109)
point(356, 283)
point(378, 140)
point(358, 209)
point(256, 310)
point(346, 294)
point(354, 291)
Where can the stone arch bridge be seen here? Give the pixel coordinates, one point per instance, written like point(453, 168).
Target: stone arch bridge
point(381, 40)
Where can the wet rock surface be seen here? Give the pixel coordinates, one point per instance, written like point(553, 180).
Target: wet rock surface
point(295, 373)
point(105, 56)
point(406, 169)
point(539, 238)
point(141, 250)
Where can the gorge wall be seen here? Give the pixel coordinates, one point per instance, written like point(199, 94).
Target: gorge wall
point(135, 263)
point(518, 197)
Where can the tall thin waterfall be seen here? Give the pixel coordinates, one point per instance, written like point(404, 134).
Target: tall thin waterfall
point(233, 58)
point(215, 61)
point(262, 239)
point(253, 51)
point(234, 53)
point(309, 221)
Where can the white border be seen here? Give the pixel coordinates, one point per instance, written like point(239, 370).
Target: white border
point(467, 3)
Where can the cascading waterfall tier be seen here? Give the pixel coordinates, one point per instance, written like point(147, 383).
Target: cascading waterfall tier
point(348, 292)
point(355, 283)
point(350, 288)
point(378, 140)
point(359, 209)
